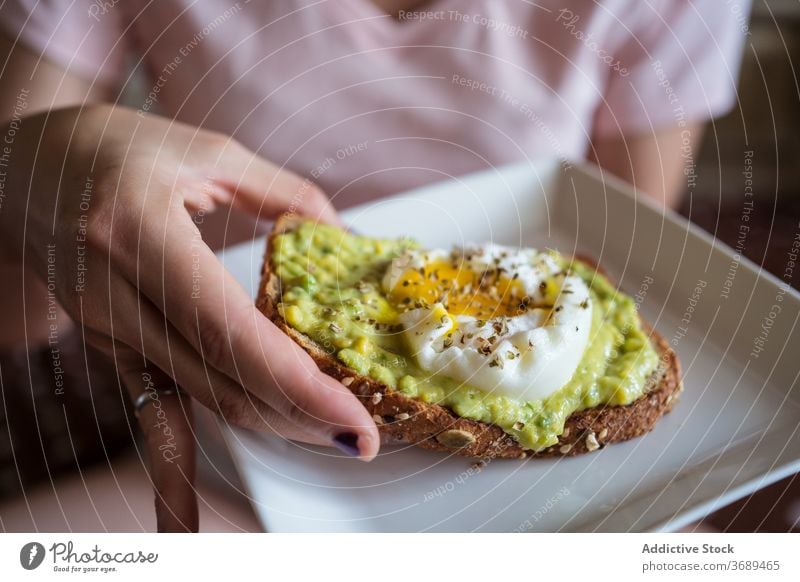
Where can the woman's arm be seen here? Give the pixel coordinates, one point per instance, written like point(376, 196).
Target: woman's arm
point(46, 85)
point(654, 163)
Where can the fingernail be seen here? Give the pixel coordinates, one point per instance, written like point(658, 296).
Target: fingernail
point(347, 442)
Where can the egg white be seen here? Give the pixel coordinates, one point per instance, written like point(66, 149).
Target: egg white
point(527, 356)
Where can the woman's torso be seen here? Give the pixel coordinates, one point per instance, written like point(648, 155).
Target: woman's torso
point(367, 104)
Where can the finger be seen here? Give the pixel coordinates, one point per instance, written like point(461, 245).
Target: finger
point(255, 184)
point(166, 422)
point(218, 318)
point(205, 199)
point(264, 189)
point(163, 345)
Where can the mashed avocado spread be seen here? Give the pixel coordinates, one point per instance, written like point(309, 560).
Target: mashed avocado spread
point(331, 291)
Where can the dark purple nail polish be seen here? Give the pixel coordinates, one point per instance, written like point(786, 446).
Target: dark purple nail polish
point(347, 442)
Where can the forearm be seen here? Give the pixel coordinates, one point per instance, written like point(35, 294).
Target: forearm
point(653, 163)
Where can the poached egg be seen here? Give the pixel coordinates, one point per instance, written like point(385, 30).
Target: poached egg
point(505, 320)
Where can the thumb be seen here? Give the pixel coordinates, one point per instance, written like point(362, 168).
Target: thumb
point(319, 402)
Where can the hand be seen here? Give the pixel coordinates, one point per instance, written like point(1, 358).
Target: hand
point(101, 202)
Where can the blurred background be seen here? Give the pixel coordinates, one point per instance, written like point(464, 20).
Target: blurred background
point(766, 122)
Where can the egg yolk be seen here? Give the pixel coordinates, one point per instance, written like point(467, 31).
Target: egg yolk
point(462, 291)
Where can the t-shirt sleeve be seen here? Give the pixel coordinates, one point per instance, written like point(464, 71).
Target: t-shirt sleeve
point(83, 36)
point(681, 65)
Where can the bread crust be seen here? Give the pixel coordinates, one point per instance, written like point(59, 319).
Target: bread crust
point(431, 426)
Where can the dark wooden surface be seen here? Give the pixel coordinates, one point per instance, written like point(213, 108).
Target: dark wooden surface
point(775, 221)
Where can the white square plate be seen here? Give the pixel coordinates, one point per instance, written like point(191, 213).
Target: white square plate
point(734, 430)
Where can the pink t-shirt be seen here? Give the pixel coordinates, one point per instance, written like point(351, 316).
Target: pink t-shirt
point(368, 105)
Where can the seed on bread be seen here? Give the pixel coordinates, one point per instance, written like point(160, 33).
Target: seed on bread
point(347, 380)
point(564, 449)
point(377, 418)
point(455, 438)
point(402, 416)
point(603, 434)
point(376, 398)
point(591, 442)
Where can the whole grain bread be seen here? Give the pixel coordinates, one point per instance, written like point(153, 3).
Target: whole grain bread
point(431, 426)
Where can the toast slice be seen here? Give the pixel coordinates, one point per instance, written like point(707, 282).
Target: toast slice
point(406, 420)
